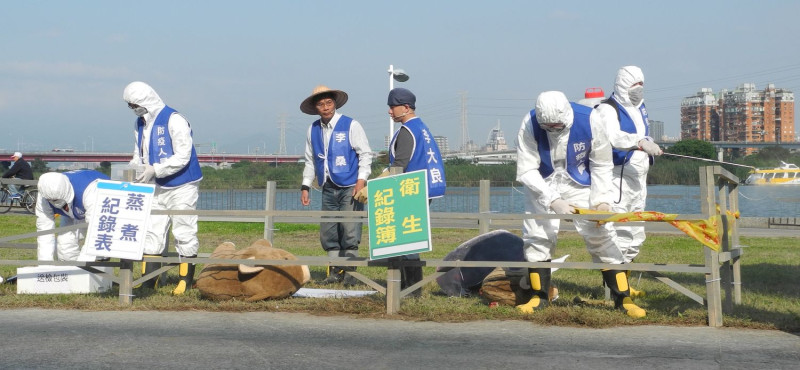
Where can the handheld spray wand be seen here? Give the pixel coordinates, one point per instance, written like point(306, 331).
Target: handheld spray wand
point(681, 156)
point(709, 160)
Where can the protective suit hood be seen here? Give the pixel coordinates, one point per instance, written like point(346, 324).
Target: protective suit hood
point(143, 95)
point(56, 186)
point(552, 107)
point(626, 77)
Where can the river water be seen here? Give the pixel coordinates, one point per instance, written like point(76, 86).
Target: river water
point(754, 201)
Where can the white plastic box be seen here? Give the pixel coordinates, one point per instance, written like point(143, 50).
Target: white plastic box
point(49, 279)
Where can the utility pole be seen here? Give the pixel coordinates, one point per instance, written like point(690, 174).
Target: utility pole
point(464, 128)
point(282, 125)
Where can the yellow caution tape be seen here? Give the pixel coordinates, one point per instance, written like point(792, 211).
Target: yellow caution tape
point(704, 231)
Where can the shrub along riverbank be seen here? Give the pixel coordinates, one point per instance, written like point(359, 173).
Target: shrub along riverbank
point(771, 295)
point(665, 170)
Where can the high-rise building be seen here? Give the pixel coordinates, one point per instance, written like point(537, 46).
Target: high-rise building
point(441, 141)
point(699, 116)
point(760, 116)
point(657, 130)
point(744, 114)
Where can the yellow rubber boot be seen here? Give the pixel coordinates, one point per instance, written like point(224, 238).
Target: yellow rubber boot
point(617, 282)
point(632, 309)
point(634, 292)
point(186, 273)
point(148, 267)
point(540, 284)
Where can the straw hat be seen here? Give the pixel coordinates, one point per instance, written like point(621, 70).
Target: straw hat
point(307, 106)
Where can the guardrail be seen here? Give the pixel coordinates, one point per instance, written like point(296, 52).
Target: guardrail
point(719, 196)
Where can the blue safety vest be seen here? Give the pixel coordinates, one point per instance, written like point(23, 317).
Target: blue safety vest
point(161, 147)
point(341, 159)
point(579, 145)
point(626, 124)
point(425, 156)
point(79, 180)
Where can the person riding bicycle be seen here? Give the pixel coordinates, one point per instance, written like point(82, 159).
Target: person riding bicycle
point(20, 169)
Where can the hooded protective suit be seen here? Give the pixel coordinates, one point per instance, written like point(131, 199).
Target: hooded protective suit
point(540, 236)
point(56, 190)
point(634, 171)
point(181, 197)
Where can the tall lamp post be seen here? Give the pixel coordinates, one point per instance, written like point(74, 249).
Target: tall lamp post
point(400, 76)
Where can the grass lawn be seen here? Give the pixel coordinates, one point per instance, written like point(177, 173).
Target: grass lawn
point(770, 290)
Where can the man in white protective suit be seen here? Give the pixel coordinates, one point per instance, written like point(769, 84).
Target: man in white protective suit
point(564, 161)
point(71, 195)
point(165, 154)
point(625, 118)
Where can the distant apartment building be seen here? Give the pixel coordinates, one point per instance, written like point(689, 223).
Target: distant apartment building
point(657, 130)
point(700, 117)
point(761, 116)
point(743, 115)
point(441, 141)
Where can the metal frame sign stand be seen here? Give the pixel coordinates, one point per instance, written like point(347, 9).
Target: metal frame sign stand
point(399, 224)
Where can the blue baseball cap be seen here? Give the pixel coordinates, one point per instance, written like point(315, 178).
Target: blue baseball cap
point(401, 96)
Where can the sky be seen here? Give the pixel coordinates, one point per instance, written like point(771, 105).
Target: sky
point(236, 69)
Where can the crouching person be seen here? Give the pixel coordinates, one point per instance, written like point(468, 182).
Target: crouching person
point(564, 161)
point(71, 195)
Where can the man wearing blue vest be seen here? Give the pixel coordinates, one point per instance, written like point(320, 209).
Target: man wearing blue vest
point(165, 154)
point(338, 154)
point(564, 161)
point(625, 119)
point(71, 195)
point(413, 148)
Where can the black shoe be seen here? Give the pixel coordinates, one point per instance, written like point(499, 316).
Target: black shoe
point(335, 275)
point(350, 280)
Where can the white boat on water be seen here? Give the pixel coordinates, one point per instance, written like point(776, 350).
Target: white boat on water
point(786, 174)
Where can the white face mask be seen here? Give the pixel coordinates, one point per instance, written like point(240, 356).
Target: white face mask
point(636, 94)
point(58, 203)
point(140, 111)
point(553, 127)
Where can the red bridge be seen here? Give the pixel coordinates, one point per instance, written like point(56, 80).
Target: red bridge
point(68, 156)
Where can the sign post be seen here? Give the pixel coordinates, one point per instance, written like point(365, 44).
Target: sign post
point(399, 217)
point(121, 219)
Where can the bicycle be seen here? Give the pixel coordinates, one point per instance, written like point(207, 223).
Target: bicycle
point(26, 200)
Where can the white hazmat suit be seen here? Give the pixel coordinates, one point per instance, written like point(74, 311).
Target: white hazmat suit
point(182, 197)
point(630, 178)
point(55, 190)
point(540, 236)
point(562, 127)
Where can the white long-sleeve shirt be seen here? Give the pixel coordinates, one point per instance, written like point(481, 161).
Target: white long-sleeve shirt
point(549, 189)
point(358, 140)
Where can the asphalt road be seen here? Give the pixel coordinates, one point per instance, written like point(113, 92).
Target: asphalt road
point(56, 339)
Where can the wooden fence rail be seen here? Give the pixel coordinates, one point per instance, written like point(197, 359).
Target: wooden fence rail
point(719, 196)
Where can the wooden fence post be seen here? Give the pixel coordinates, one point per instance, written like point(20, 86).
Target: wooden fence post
point(125, 282)
point(393, 274)
point(708, 207)
point(269, 221)
point(484, 207)
point(393, 286)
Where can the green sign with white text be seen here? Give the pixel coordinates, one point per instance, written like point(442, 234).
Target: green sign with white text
point(399, 217)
